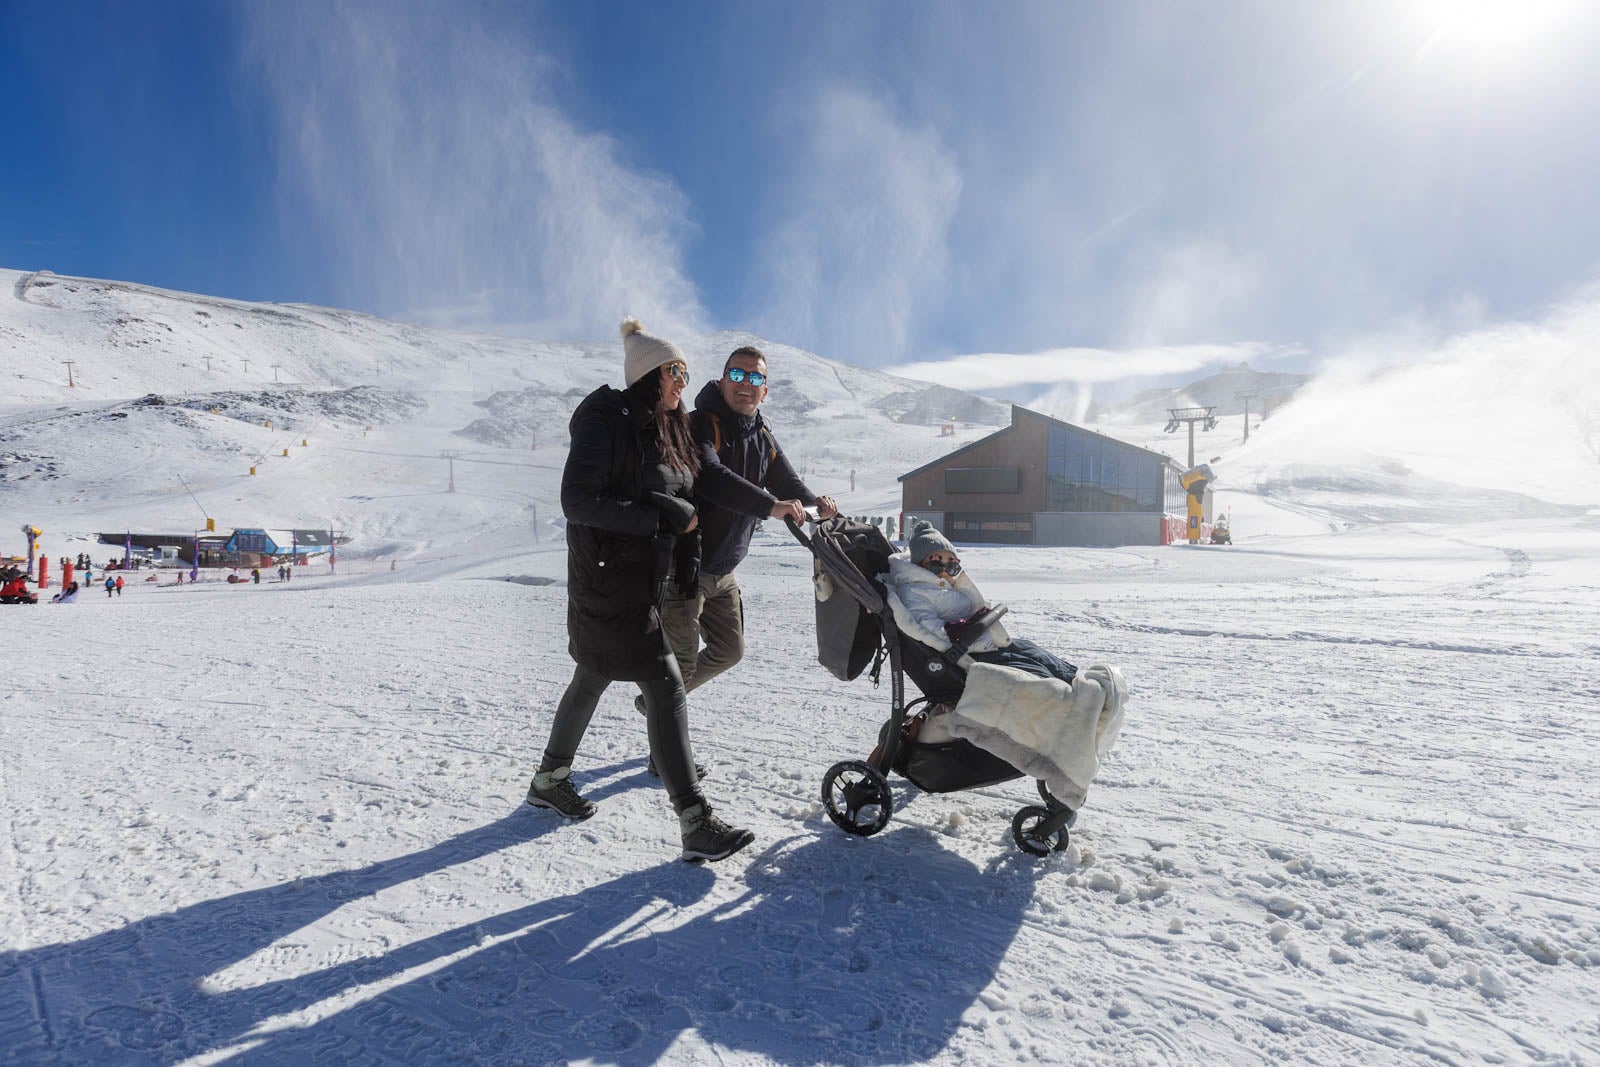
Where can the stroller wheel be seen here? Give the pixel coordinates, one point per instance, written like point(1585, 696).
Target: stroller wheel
point(1025, 832)
point(857, 798)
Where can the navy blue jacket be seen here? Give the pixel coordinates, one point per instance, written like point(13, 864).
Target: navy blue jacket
point(743, 473)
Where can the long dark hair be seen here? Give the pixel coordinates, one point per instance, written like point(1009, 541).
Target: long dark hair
point(671, 427)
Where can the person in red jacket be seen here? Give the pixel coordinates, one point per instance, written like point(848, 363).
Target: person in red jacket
point(16, 591)
point(119, 585)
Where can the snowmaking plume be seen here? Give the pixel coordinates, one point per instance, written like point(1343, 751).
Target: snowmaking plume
point(1513, 408)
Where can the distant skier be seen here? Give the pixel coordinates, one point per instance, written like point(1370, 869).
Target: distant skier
point(255, 575)
point(119, 585)
point(111, 586)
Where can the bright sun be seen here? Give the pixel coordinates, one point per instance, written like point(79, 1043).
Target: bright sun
point(1508, 31)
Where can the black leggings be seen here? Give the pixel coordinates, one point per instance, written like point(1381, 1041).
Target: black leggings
point(666, 714)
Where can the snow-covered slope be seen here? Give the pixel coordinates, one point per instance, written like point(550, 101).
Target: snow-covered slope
point(1500, 422)
point(1268, 390)
point(345, 417)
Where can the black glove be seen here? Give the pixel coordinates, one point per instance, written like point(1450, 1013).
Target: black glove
point(676, 512)
point(686, 564)
point(963, 632)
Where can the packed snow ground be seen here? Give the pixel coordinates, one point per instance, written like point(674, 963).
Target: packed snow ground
point(1351, 819)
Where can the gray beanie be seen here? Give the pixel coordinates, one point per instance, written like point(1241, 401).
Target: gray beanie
point(925, 541)
point(644, 352)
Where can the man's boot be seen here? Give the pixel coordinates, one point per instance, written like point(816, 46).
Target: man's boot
point(553, 789)
point(706, 837)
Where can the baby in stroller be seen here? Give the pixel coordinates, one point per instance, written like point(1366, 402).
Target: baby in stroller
point(936, 602)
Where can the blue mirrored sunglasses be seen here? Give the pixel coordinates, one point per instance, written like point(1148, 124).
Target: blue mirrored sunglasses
point(739, 374)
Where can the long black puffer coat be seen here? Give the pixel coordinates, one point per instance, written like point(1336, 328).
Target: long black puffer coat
point(626, 511)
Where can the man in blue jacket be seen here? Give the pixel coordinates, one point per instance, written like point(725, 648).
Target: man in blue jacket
point(744, 478)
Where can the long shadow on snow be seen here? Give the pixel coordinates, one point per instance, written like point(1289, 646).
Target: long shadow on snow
point(133, 995)
point(838, 951)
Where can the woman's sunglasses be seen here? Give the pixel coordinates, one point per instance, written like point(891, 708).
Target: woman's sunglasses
point(952, 568)
point(739, 374)
point(677, 372)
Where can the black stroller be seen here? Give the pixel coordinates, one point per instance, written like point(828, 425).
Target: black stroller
point(856, 629)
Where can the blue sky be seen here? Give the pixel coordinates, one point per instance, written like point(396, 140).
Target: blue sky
point(1139, 188)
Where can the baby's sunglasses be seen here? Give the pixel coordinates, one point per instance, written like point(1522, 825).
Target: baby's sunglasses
point(952, 568)
point(739, 374)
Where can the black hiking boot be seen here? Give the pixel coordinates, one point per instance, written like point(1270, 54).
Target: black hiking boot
point(554, 790)
point(706, 837)
point(650, 765)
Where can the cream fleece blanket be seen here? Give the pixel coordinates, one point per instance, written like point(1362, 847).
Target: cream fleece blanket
point(1045, 728)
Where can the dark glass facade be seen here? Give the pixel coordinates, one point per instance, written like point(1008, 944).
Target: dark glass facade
point(1177, 499)
point(1087, 472)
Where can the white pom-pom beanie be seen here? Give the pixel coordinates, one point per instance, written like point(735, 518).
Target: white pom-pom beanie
point(644, 352)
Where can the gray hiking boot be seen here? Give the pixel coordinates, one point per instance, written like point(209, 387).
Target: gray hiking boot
point(706, 837)
point(554, 790)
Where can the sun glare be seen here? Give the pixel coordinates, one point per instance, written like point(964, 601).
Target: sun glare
point(1494, 31)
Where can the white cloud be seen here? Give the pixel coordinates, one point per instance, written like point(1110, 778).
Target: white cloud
point(1194, 288)
point(423, 153)
point(860, 245)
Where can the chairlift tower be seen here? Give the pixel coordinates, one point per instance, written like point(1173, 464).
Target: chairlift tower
point(452, 457)
point(1178, 416)
point(1246, 397)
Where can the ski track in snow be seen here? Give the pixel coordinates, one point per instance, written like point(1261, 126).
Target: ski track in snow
point(1350, 820)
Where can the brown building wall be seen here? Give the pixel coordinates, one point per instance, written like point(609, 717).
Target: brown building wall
point(1023, 446)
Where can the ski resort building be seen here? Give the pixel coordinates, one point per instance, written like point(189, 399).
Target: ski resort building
point(245, 547)
point(1041, 481)
point(278, 544)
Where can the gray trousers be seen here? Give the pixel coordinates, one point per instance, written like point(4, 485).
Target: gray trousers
point(715, 613)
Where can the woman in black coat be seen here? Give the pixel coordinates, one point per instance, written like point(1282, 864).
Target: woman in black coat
point(631, 527)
